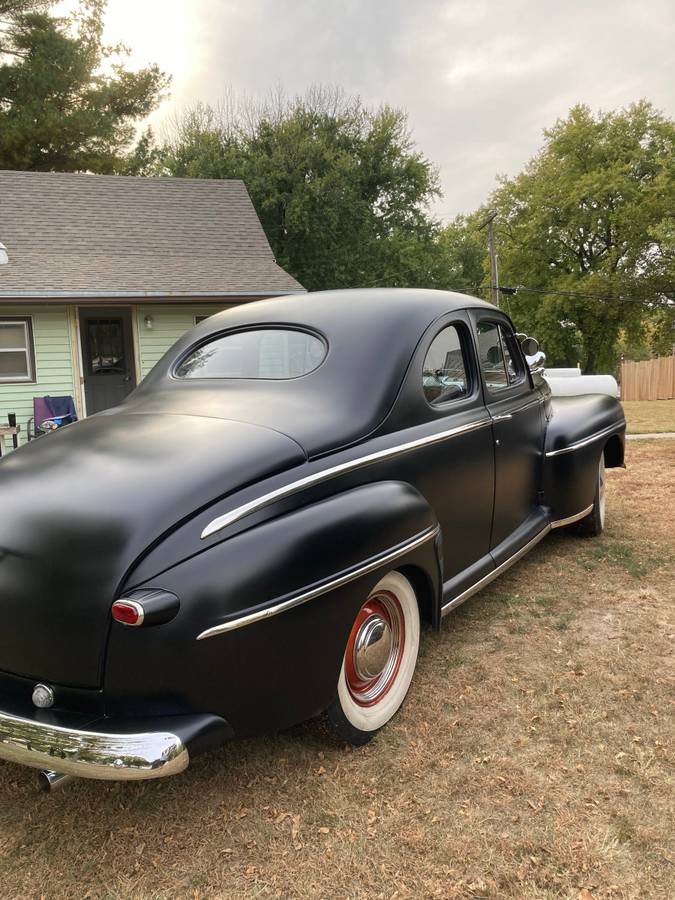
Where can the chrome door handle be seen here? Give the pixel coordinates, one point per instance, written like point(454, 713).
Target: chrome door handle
point(502, 418)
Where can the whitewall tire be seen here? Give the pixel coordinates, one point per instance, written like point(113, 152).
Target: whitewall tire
point(379, 661)
point(594, 523)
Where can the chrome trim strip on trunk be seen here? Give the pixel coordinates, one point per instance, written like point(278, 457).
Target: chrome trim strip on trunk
point(560, 523)
point(91, 754)
point(324, 588)
point(579, 444)
point(486, 579)
point(310, 480)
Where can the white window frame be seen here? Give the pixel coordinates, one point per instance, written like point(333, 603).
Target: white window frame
point(28, 349)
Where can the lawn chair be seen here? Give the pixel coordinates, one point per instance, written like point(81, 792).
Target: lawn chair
point(50, 413)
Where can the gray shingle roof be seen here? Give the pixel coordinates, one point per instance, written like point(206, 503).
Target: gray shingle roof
point(83, 235)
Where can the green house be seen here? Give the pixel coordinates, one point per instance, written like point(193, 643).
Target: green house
point(100, 274)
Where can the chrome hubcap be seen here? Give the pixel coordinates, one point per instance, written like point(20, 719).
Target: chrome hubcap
point(372, 647)
point(375, 648)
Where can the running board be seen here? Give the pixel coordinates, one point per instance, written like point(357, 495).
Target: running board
point(496, 572)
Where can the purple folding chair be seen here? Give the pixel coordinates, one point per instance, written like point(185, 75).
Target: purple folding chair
point(50, 413)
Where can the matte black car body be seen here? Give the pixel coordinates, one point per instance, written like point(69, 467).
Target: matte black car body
point(263, 512)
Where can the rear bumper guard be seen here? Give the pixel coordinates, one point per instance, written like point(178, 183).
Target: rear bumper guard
point(91, 754)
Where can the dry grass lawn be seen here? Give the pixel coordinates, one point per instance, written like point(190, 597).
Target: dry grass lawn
point(649, 416)
point(533, 758)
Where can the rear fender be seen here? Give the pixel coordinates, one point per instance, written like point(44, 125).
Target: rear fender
point(277, 670)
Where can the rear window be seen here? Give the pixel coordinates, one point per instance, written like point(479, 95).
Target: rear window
point(275, 353)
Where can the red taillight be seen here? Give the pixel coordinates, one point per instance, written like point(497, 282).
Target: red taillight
point(128, 612)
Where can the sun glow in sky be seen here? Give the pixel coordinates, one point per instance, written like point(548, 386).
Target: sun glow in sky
point(156, 31)
point(480, 80)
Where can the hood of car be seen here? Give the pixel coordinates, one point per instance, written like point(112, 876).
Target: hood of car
point(81, 505)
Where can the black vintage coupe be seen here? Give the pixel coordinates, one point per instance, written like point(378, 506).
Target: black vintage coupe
point(253, 538)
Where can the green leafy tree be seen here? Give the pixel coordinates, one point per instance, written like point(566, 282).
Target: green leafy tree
point(464, 248)
point(59, 111)
point(340, 189)
point(592, 214)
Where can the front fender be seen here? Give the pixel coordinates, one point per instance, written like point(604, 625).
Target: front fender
point(579, 431)
point(282, 669)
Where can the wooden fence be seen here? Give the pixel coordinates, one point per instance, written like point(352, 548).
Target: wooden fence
point(652, 379)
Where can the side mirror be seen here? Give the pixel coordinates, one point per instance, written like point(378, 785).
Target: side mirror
point(530, 346)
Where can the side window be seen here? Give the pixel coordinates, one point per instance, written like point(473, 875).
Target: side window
point(444, 372)
point(499, 360)
point(514, 366)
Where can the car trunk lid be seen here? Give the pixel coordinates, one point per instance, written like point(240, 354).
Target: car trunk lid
point(80, 506)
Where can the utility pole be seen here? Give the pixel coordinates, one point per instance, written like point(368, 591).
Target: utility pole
point(494, 273)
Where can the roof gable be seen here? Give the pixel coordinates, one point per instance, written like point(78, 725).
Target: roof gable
point(107, 235)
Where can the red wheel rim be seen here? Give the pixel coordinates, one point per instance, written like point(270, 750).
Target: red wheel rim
point(380, 620)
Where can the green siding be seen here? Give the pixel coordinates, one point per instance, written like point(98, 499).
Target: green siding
point(53, 356)
point(168, 324)
point(53, 363)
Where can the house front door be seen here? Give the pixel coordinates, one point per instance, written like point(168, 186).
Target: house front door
point(107, 357)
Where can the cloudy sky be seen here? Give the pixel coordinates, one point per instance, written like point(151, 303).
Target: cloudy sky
point(480, 79)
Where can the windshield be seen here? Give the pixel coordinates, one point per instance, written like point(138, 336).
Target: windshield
point(274, 353)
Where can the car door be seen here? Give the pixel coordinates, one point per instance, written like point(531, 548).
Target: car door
point(517, 428)
point(442, 394)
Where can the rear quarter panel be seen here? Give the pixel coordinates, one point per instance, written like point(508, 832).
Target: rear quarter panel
point(282, 670)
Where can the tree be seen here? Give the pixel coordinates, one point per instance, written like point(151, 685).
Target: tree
point(58, 110)
point(592, 214)
point(464, 249)
point(340, 189)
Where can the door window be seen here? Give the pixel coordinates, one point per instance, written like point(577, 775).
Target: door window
point(106, 346)
point(444, 375)
point(499, 359)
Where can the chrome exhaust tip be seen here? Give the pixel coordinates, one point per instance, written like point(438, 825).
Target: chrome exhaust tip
point(49, 781)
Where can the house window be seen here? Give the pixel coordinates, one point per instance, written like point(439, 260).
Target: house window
point(17, 350)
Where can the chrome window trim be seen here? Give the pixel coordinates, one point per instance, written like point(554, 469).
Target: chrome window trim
point(209, 339)
point(340, 581)
point(91, 754)
point(584, 442)
point(310, 480)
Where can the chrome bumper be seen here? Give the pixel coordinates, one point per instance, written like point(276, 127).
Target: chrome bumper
point(91, 754)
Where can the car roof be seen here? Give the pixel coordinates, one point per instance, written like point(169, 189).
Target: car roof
point(371, 335)
point(332, 310)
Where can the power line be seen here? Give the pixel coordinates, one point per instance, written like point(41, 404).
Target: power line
point(584, 295)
